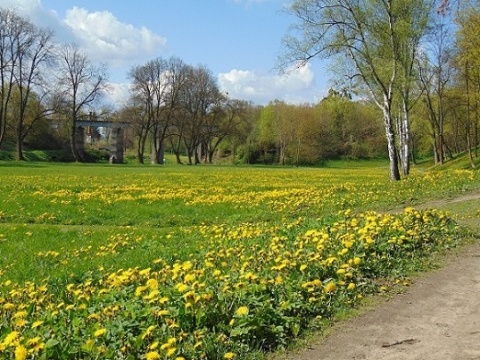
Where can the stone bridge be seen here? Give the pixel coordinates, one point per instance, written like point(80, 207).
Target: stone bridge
point(116, 139)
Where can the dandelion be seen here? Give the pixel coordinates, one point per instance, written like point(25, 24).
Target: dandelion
point(148, 331)
point(171, 351)
point(20, 352)
point(162, 312)
point(152, 355)
point(100, 332)
point(229, 355)
point(10, 338)
point(242, 311)
point(330, 287)
point(37, 324)
point(152, 284)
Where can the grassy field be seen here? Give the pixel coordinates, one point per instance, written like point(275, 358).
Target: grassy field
point(191, 262)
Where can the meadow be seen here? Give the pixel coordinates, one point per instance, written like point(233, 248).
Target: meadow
point(204, 262)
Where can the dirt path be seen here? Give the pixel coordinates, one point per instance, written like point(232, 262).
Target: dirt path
point(437, 318)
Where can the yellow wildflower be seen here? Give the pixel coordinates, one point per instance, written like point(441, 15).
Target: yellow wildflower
point(171, 351)
point(37, 324)
point(100, 332)
point(20, 352)
point(10, 338)
point(229, 355)
point(152, 355)
point(330, 287)
point(242, 311)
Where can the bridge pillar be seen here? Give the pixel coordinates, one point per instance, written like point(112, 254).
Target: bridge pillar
point(117, 144)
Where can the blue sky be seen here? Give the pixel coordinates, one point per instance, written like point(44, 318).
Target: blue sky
point(238, 40)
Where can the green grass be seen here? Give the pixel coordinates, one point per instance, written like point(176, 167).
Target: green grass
point(58, 204)
point(69, 225)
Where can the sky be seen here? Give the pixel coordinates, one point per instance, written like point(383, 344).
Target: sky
point(239, 41)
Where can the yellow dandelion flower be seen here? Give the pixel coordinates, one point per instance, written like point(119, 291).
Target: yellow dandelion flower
point(20, 352)
point(242, 311)
point(152, 284)
point(100, 332)
point(10, 338)
point(351, 286)
point(9, 306)
point(148, 331)
point(19, 314)
point(33, 341)
point(162, 312)
point(37, 324)
point(330, 287)
point(189, 278)
point(145, 271)
point(20, 322)
point(171, 351)
point(152, 355)
point(229, 355)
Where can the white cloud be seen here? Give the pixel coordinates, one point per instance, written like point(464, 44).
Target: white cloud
point(295, 86)
point(104, 38)
point(117, 94)
point(100, 35)
point(33, 10)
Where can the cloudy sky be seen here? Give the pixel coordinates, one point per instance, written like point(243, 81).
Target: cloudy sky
point(238, 40)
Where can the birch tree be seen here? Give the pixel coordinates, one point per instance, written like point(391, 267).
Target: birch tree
point(368, 35)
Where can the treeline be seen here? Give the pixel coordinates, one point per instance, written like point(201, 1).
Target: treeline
point(433, 110)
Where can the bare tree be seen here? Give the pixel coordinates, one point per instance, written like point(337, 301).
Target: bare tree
point(156, 84)
point(198, 99)
point(82, 83)
point(33, 54)
point(12, 29)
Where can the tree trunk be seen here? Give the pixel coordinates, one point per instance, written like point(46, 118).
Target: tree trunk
point(405, 141)
point(20, 155)
point(141, 149)
point(391, 145)
point(76, 136)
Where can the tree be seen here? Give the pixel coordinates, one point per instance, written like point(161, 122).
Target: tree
point(412, 27)
point(157, 85)
point(82, 84)
point(12, 33)
point(435, 73)
point(198, 98)
point(468, 65)
point(371, 35)
point(35, 52)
